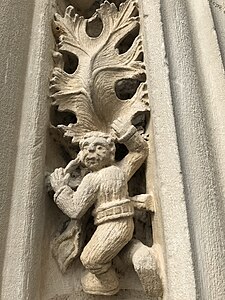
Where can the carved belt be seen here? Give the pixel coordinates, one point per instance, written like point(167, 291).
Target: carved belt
point(118, 209)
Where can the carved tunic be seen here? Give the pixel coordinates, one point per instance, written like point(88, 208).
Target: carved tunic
point(107, 188)
point(112, 199)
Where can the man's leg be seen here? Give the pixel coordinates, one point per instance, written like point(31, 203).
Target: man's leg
point(107, 241)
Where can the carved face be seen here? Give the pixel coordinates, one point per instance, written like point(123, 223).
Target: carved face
point(96, 153)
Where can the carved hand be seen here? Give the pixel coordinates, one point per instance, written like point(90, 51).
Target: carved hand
point(123, 130)
point(144, 201)
point(59, 178)
point(72, 165)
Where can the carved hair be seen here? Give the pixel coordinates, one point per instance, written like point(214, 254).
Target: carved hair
point(107, 137)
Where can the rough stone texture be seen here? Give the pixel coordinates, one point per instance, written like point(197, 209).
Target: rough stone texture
point(25, 100)
point(197, 86)
point(13, 61)
point(171, 217)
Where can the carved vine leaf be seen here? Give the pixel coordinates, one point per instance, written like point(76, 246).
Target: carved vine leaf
point(89, 92)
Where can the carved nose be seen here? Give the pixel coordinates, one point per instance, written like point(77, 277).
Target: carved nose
point(91, 148)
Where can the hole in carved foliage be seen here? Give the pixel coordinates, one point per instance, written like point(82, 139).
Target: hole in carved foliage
point(62, 117)
point(140, 121)
point(94, 27)
point(117, 2)
point(140, 57)
point(70, 62)
point(126, 88)
point(126, 42)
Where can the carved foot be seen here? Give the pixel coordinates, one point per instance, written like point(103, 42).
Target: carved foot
point(145, 264)
point(104, 284)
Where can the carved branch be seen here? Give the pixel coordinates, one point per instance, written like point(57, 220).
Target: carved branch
point(89, 92)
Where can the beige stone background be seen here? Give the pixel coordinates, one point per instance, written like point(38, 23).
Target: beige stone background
point(184, 55)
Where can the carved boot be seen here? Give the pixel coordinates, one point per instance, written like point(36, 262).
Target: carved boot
point(102, 284)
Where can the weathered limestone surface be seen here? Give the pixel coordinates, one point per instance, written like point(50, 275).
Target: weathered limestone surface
point(13, 60)
point(26, 60)
point(180, 284)
point(184, 57)
point(198, 86)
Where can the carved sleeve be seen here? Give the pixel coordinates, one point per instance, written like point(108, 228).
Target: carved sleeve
point(138, 151)
point(75, 204)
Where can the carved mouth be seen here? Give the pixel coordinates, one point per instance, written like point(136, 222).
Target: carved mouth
point(92, 160)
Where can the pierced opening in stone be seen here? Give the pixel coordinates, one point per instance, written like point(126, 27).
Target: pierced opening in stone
point(126, 88)
point(117, 2)
point(94, 27)
point(121, 151)
point(126, 42)
point(140, 121)
point(70, 62)
point(140, 57)
point(137, 184)
point(135, 12)
point(142, 218)
point(61, 117)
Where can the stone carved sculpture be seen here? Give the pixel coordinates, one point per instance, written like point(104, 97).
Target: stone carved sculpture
point(94, 181)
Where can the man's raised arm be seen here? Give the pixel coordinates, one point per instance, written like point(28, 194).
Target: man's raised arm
point(73, 204)
point(136, 145)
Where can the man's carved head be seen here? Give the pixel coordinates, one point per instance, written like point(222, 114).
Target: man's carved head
point(97, 150)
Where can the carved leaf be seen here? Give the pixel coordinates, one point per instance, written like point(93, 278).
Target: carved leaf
point(89, 92)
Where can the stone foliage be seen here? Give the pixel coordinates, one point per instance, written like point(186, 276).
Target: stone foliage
point(99, 79)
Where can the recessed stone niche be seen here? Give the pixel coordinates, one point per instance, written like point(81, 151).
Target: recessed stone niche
point(98, 84)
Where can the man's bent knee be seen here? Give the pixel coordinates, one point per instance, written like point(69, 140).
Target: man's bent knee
point(92, 264)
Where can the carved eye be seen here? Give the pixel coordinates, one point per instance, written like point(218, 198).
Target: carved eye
point(85, 146)
point(99, 147)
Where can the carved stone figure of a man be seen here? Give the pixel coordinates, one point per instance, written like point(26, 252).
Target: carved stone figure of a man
point(105, 188)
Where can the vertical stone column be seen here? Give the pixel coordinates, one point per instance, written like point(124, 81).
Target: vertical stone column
point(13, 60)
point(26, 62)
point(171, 211)
point(197, 86)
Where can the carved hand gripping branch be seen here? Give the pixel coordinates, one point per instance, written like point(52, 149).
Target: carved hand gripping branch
point(94, 180)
